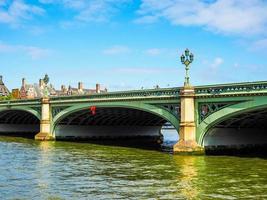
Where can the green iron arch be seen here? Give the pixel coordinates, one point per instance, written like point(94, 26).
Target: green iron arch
point(20, 108)
point(138, 106)
point(254, 103)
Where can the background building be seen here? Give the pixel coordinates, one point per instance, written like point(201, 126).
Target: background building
point(30, 91)
point(80, 90)
point(16, 93)
point(3, 89)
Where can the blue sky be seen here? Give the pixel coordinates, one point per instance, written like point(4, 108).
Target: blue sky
point(129, 44)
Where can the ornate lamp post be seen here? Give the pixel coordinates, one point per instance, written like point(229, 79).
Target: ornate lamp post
point(45, 122)
point(46, 80)
point(187, 59)
point(187, 128)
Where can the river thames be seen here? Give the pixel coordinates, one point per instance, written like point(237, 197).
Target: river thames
point(65, 170)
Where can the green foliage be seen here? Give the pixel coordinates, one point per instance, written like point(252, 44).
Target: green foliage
point(9, 97)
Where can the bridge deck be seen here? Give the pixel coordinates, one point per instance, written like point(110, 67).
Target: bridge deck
point(230, 89)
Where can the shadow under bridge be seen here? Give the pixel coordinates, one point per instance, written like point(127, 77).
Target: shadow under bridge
point(239, 134)
point(19, 123)
point(117, 124)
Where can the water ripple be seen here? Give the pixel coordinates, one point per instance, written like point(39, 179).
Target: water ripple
point(63, 170)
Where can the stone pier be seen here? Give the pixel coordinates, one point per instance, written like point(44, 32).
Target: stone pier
point(187, 131)
point(45, 123)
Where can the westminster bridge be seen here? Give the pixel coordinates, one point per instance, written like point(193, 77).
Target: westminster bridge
point(225, 114)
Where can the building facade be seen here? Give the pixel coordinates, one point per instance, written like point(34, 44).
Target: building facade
point(31, 91)
point(80, 90)
point(4, 92)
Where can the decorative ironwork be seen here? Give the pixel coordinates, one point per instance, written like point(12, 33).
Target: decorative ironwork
point(151, 93)
point(206, 109)
point(173, 108)
point(46, 80)
point(233, 88)
point(37, 108)
point(187, 59)
point(56, 110)
point(26, 101)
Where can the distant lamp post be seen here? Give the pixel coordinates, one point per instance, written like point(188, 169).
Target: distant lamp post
point(187, 59)
point(46, 80)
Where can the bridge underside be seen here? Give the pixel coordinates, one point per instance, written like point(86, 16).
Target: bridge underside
point(18, 123)
point(244, 130)
point(120, 124)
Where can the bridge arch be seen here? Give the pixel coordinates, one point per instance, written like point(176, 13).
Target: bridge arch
point(19, 121)
point(251, 104)
point(147, 109)
point(25, 109)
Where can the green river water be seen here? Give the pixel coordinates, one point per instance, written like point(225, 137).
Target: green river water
point(65, 170)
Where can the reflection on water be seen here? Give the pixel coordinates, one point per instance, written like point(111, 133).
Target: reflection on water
point(64, 170)
point(187, 176)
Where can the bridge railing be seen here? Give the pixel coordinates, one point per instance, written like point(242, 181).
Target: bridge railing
point(125, 94)
point(206, 90)
point(246, 87)
point(20, 101)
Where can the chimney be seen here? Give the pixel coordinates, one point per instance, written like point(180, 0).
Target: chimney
point(80, 86)
point(63, 88)
point(1, 80)
point(69, 91)
point(23, 82)
point(41, 83)
point(97, 88)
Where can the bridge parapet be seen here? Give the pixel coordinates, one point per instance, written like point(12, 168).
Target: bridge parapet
point(20, 101)
point(247, 88)
point(35, 101)
point(134, 94)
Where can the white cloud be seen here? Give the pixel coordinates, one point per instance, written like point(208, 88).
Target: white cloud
point(31, 51)
point(217, 62)
point(36, 52)
point(48, 1)
point(120, 86)
point(138, 70)
point(223, 16)
point(6, 48)
point(236, 65)
point(146, 70)
point(116, 50)
point(146, 19)
point(93, 10)
point(78, 4)
point(153, 51)
point(17, 12)
point(36, 30)
point(98, 12)
point(211, 71)
point(260, 44)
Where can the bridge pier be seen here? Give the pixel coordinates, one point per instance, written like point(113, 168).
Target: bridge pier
point(187, 143)
point(45, 122)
